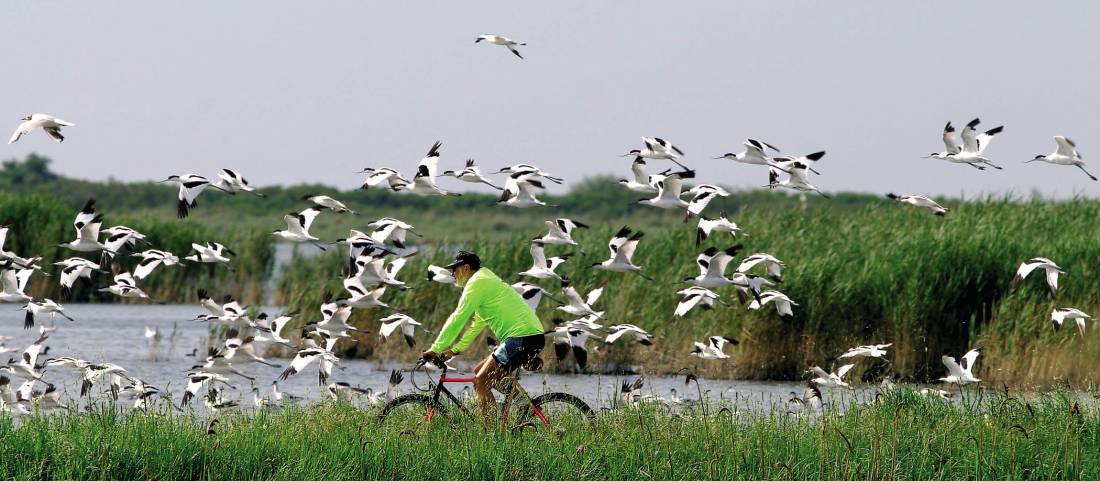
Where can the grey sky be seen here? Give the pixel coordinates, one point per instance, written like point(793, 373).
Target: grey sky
point(291, 92)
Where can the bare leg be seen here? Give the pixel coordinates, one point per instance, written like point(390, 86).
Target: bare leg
point(1079, 166)
point(486, 375)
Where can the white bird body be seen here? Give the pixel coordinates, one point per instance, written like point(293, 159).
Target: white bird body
point(48, 123)
point(191, 185)
point(669, 191)
point(1048, 266)
point(964, 373)
point(1065, 154)
point(531, 294)
point(529, 172)
point(543, 267)
point(642, 182)
point(392, 178)
point(232, 182)
point(630, 330)
point(14, 280)
point(328, 203)
point(27, 365)
point(151, 259)
point(406, 324)
point(701, 195)
point(872, 350)
point(577, 305)
point(920, 201)
point(712, 267)
point(394, 231)
point(658, 149)
point(440, 275)
point(831, 379)
point(41, 307)
point(472, 174)
point(622, 247)
point(1059, 315)
point(503, 41)
point(771, 264)
point(297, 226)
point(561, 232)
point(125, 286)
point(423, 182)
point(797, 178)
point(754, 153)
point(695, 296)
point(713, 349)
point(971, 150)
point(782, 302)
point(721, 224)
point(87, 225)
point(210, 252)
point(571, 339)
point(520, 191)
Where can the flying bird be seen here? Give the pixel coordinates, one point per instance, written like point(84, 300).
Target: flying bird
point(1066, 154)
point(504, 41)
point(191, 185)
point(1061, 314)
point(919, 201)
point(961, 373)
point(1052, 271)
point(232, 182)
point(471, 174)
point(622, 247)
point(48, 123)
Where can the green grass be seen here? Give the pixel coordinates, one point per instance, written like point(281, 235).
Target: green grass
point(880, 273)
point(901, 436)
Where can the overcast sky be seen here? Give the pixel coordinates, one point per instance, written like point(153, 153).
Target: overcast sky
point(290, 92)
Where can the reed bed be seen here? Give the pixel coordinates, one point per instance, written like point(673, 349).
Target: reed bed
point(899, 435)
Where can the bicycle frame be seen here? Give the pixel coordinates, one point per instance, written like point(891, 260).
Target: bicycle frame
point(439, 389)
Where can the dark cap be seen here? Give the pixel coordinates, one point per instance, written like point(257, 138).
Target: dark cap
point(466, 258)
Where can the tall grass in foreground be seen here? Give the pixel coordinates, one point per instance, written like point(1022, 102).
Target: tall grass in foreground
point(41, 223)
point(882, 273)
point(901, 436)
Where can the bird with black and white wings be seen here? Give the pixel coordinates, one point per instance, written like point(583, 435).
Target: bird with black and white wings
point(241, 349)
point(423, 182)
point(720, 224)
point(274, 330)
point(191, 185)
point(297, 226)
point(391, 177)
point(14, 280)
point(642, 182)
point(809, 400)
point(561, 231)
point(695, 296)
point(1048, 266)
point(406, 324)
point(919, 201)
point(37, 307)
point(951, 144)
point(529, 171)
point(361, 297)
point(1061, 314)
point(871, 350)
point(27, 366)
point(714, 348)
point(831, 379)
point(394, 231)
point(533, 294)
point(471, 174)
point(48, 123)
point(373, 270)
point(782, 302)
point(712, 267)
point(571, 339)
point(754, 153)
point(441, 275)
point(622, 247)
point(232, 182)
point(213, 307)
point(577, 305)
point(543, 267)
point(87, 225)
point(196, 381)
point(772, 265)
point(308, 355)
point(797, 179)
point(974, 145)
point(669, 191)
point(503, 41)
point(701, 195)
point(658, 149)
point(961, 373)
point(125, 286)
point(328, 203)
point(210, 252)
point(75, 268)
point(1066, 154)
point(520, 191)
point(629, 331)
point(151, 259)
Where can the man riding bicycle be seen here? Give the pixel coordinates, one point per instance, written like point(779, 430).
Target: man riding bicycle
point(493, 303)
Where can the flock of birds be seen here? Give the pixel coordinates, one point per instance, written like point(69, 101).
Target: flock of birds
point(375, 260)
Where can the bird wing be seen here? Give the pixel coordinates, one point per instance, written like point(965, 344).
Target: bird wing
point(700, 201)
point(594, 295)
point(388, 327)
point(618, 240)
point(294, 223)
point(573, 297)
point(538, 256)
point(687, 304)
point(969, 358)
point(950, 141)
point(628, 247)
point(970, 136)
point(146, 266)
point(985, 137)
point(1066, 146)
point(308, 216)
point(843, 370)
point(638, 168)
point(953, 367)
point(430, 162)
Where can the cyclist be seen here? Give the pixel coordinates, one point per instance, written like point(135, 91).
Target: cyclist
point(493, 303)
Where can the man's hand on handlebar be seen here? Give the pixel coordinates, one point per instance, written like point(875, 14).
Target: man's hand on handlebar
point(431, 356)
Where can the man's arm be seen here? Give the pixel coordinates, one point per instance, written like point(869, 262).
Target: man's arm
point(470, 335)
point(467, 305)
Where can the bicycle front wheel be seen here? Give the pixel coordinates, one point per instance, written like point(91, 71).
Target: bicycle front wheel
point(559, 411)
point(410, 411)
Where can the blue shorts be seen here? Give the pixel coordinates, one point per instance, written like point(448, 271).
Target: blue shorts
point(514, 352)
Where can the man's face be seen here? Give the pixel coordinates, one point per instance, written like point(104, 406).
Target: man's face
point(462, 274)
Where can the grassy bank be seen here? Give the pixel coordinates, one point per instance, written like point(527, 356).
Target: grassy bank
point(902, 436)
point(42, 222)
point(880, 273)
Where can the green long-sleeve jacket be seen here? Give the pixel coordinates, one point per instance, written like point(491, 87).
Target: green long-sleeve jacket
point(490, 302)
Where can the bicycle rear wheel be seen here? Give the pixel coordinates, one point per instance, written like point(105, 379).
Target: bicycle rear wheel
point(410, 411)
point(558, 411)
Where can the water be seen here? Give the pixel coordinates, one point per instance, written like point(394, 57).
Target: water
point(117, 333)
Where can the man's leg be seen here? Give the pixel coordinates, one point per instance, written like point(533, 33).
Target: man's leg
point(486, 374)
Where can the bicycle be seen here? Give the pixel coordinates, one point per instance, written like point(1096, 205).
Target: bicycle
point(555, 410)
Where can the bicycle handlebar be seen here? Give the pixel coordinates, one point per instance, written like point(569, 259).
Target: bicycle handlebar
point(437, 362)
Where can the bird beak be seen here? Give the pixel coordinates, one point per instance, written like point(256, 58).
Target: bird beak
point(722, 157)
